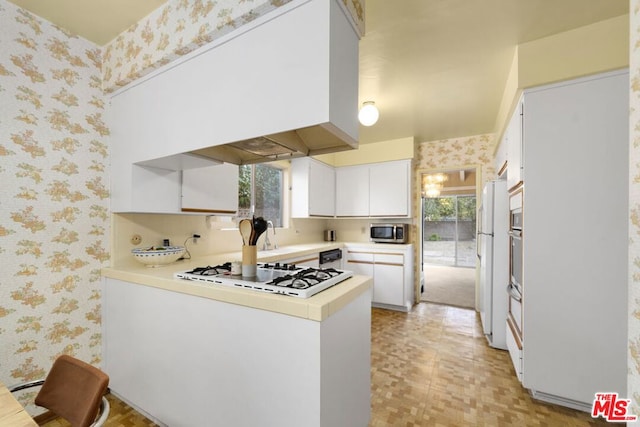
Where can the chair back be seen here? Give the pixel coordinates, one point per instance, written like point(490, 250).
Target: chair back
point(73, 390)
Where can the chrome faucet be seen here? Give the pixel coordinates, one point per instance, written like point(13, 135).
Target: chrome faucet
point(267, 244)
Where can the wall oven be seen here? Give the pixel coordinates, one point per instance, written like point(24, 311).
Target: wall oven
point(515, 287)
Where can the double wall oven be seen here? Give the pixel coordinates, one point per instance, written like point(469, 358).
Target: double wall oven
point(515, 287)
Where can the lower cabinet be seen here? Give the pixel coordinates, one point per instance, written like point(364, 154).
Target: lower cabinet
point(388, 286)
point(187, 360)
point(391, 267)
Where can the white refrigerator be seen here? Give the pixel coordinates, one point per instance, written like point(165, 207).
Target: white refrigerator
point(493, 254)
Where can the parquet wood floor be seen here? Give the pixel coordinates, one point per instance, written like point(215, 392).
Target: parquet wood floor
point(433, 367)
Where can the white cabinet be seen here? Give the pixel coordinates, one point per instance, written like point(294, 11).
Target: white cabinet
point(515, 142)
point(575, 284)
point(153, 190)
point(391, 269)
point(374, 190)
point(312, 188)
point(157, 344)
point(215, 96)
point(359, 262)
point(352, 191)
point(389, 189)
point(500, 160)
point(212, 189)
point(388, 271)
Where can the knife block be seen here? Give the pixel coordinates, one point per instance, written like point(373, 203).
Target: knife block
point(249, 260)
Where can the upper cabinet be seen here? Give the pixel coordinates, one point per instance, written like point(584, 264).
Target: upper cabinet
point(352, 191)
point(312, 188)
point(390, 189)
point(374, 190)
point(514, 140)
point(294, 76)
point(500, 160)
point(212, 189)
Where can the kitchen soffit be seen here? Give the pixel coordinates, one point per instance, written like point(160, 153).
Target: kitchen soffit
point(436, 69)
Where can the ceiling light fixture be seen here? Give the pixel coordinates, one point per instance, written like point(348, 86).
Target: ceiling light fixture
point(368, 114)
point(433, 184)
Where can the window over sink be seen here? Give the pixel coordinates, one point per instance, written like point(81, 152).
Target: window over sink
point(261, 192)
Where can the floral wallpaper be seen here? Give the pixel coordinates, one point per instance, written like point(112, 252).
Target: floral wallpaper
point(633, 379)
point(54, 224)
point(181, 26)
point(455, 153)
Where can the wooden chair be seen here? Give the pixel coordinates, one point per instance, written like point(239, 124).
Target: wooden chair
point(73, 390)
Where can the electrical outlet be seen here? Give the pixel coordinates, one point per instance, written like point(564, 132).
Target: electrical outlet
point(136, 239)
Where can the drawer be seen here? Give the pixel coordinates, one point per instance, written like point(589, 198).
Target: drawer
point(360, 257)
point(515, 350)
point(395, 259)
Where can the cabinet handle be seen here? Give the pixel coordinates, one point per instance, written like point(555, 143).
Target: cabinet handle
point(513, 293)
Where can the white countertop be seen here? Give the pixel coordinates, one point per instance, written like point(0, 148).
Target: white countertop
point(318, 307)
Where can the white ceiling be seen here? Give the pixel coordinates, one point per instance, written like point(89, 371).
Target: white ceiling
point(435, 68)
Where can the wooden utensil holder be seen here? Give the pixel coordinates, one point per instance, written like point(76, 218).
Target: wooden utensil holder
point(249, 260)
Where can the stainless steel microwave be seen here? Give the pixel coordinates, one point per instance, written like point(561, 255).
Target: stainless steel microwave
point(389, 233)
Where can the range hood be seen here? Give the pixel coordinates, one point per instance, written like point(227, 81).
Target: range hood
point(309, 141)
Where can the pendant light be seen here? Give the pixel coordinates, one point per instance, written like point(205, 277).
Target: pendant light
point(368, 114)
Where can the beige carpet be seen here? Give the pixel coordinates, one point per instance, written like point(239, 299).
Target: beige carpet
point(450, 285)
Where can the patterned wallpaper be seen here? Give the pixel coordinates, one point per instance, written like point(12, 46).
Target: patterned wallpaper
point(180, 27)
point(54, 225)
point(455, 153)
point(633, 379)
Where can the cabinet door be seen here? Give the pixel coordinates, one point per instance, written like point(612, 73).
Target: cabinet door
point(360, 263)
point(210, 189)
point(352, 191)
point(322, 185)
point(515, 147)
point(155, 191)
point(500, 161)
point(388, 286)
point(389, 188)
point(312, 188)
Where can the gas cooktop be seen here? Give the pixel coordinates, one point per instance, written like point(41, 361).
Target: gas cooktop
point(285, 279)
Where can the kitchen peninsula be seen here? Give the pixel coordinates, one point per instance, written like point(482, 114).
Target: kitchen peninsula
point(187, 353)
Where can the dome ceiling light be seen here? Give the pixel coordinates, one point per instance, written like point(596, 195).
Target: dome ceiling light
point(368, 114)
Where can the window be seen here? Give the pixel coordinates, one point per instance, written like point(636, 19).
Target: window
point(261, 192)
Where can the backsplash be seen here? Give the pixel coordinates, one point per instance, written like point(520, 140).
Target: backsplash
point(54, 220)
point(154, 228)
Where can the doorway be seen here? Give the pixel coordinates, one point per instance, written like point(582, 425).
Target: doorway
point(449, 238)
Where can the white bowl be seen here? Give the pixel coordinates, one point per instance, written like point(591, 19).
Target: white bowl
point(158, 256)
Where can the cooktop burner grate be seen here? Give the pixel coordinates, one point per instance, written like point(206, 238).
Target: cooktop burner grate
point(211, 271)
point(302, 282)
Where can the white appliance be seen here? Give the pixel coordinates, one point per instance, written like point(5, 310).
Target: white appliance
point(493, 252)
point(285, 279)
